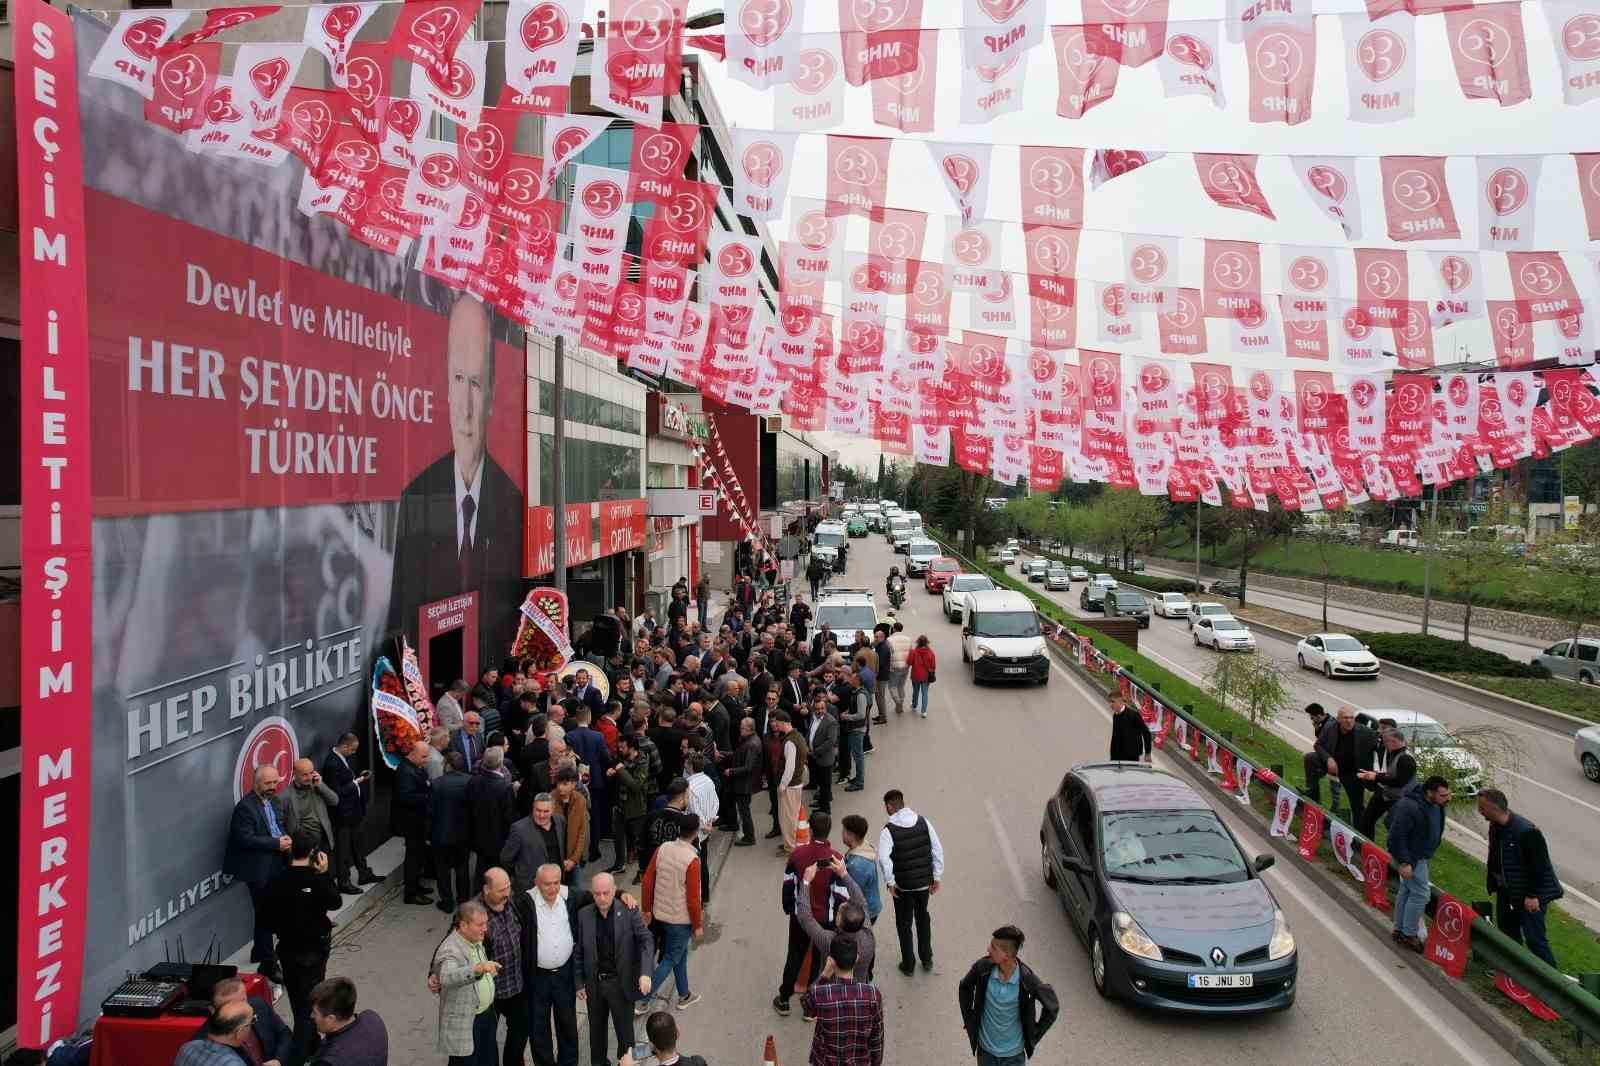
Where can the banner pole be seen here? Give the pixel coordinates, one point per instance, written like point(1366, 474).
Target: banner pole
point(558, 488)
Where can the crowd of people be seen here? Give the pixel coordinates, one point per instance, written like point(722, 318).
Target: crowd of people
point(533, 797)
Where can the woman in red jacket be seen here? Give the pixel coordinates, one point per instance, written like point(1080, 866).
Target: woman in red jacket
point(922, 663)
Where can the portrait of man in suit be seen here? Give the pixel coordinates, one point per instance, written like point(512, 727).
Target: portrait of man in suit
point(460, 520)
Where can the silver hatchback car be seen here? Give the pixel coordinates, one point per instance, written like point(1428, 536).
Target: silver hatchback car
point(1575, 660)
point(1587, 747)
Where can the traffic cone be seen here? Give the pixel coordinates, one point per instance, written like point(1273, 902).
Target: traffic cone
point(802, 829)
point(769, 1054)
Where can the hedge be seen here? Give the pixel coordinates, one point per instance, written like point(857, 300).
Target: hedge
point(1439, 655)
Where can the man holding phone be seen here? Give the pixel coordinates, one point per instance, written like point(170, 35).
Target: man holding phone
point(297, 905)
point(339, 773)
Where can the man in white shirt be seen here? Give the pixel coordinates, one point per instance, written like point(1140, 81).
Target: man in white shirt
point(912, 861)
point(894, 671)
point(549, 920)
point(703, 801)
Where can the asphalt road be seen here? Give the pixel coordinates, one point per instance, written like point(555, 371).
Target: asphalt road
point(1546, 784)
point(979, 768)
point(1346, 617)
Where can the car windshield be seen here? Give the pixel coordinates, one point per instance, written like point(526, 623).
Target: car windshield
point(1342, 644)
point(1225, 624)
point(1058, 573)
point(847, 619)
point(1427, 735)
point(970, 584)
point(1125, 599)
point(1175, 597)
point(925, 547)
point(1170, 846)
point(829, 540)
point(1008, 624)
point(1213, 608)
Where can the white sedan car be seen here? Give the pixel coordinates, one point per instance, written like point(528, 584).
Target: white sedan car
point(956, 589)
point(1336, 655)
point(1223, 633)
point(1171, 605)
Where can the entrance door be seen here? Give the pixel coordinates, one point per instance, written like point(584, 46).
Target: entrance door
point(444, 658)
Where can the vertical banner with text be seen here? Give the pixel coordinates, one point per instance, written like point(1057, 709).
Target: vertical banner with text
point(57, 530)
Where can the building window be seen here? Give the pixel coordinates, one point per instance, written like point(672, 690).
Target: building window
point(592, 470)
point(666, 476)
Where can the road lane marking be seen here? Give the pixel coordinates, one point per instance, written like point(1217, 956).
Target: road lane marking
point(950, 710)
point(1013, 867)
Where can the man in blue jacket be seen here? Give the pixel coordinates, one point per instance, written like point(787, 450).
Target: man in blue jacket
point(1416, 826)
point(257, 852)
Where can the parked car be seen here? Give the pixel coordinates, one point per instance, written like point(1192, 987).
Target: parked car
point(1202, 610)
point(1429, 738)
point(940, 570)
point(1336, 655)
point(1078, 573)
point(1036, 569)
point(1126, 603)
point(1587, 746)
point(1136, 566)
point(1227, 587)
point(1401, 540)
point(1056, 579)
point(1577, 660)
point(1172, 605)
point(1172, 913)
point(1093, 597)
point(1105, 579)
point(1005, 556)
point(1223, 632)
point(956, 589)
point(1000, 637)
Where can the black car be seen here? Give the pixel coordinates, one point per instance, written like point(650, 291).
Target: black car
point(1227, 587)
point(1126, 603)
point(1173, 915)
point(1093, 597)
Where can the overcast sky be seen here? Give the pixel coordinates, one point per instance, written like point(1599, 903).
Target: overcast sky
point(1167, 198)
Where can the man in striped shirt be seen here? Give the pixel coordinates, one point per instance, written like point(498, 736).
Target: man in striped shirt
point(849, 1012)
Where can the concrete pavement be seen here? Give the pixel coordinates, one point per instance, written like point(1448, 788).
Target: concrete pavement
point(1545, 782)
point(980, 769)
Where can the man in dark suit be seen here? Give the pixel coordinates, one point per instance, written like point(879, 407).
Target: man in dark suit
point(408, 816)
point(792, 693)
point(339, 774)
point(450, 831)
point(257, 852)
point(492, 808)
point(585, 692)
point(821, 730)
point(468, 740)
point(271, 1035)
point(1347, 747)
point(534, 841)
point(460, 520)
point(612, 949)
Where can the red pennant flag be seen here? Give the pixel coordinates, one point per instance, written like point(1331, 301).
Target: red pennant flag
point(1133, 32)
point(1416, 200)
point(1450, 938)
point(1052, 186)
point(1541, 281)
point(1588, 189)
point(217, 20)
point(677, 233)
point(1230, 181)
point(1527, 1000)
point(906, 100)
point(1383, 285)
point(1086, 79)
point(427, 32)
point(1375, 876)
point(880, 38)
point(183, 81)
point(1312, 819)
point(1282, 59)
point(1230, 782)
point(1413, 337)
point(858, 173)
point(1489, 52)
point(659, 158)
point(1183, 327)
point(1233, 279)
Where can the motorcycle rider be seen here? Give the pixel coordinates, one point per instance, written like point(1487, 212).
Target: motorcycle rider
point(895, 585)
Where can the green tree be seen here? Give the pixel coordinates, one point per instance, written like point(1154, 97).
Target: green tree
point(1580, 470)
point(1070, 526)
point(1327, 538)
point(1575, 555)
point(1471, 559)
point(1254, 530)
point(1133, 520)
point(1252, 685)
point(1030, 514)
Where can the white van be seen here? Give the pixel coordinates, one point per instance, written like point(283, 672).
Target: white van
point(1401, 539)
point(1000, 637)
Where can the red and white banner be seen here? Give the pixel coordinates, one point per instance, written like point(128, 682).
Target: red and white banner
point(1489, 52)
point(965, 170)
point(1380, 63)
point(1575, 27)
point(1507, 189)
point(1375, 877)
point(880, 38)
point(1416, 198)
point(1151, 264)
point(565, 137)
point(1133, 32)
point(268, 73)
point(1589, 190)
point(1540, 281)
point(331, 30)
point(990, 88)
point(996, 32)
point(57, 611)
point(858, 172)
point(541, 51)
point(906, 101)
point(128, 56)
point(1114, 162)
point(1232, 279)
point(1312, 820)
point(814, 98)
point(1052, 185)
point(428, 32)
point(764, 39)
point(1310, 282)
point(1281, 56)
point(1330, 182)
point(1460, 287)
point(1283, 810)
point(1191, 63)
point(1343, 839)
point(763, 162)
point(1086, 79)
point(1525, 999)
point(1449, 943)
point(1230, 181)
point(638, 60)
point(1244, 16)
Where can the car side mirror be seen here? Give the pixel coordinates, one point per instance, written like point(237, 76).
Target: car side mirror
point(966, 631)
point(1265, 862)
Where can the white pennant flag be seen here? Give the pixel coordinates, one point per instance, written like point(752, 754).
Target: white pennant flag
point(262, 77)
point(128, 56)
point(1380, 62)
point(931, 444)
point(1191, 63)
point(991, 88)
point(814, 99)
point(331, 29)
point(1575, 27)
point(999, 31)
point(565, 137)
point(1152, 264)
point(1345, 846)
point(1283, 810)
point(764, 41)
point(541, 50)
point(965, 170)
point(456, 93)
point(1507, 188)
point(764, 161)
point(1330, 181)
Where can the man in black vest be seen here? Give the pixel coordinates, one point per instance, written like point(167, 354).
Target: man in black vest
point(913, 865)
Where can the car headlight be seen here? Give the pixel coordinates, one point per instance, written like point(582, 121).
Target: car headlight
point(1282, 943)
point(984, 649)
point(1132, 939)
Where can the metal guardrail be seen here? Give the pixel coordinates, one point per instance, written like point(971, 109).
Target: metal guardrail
point(1493, 948)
